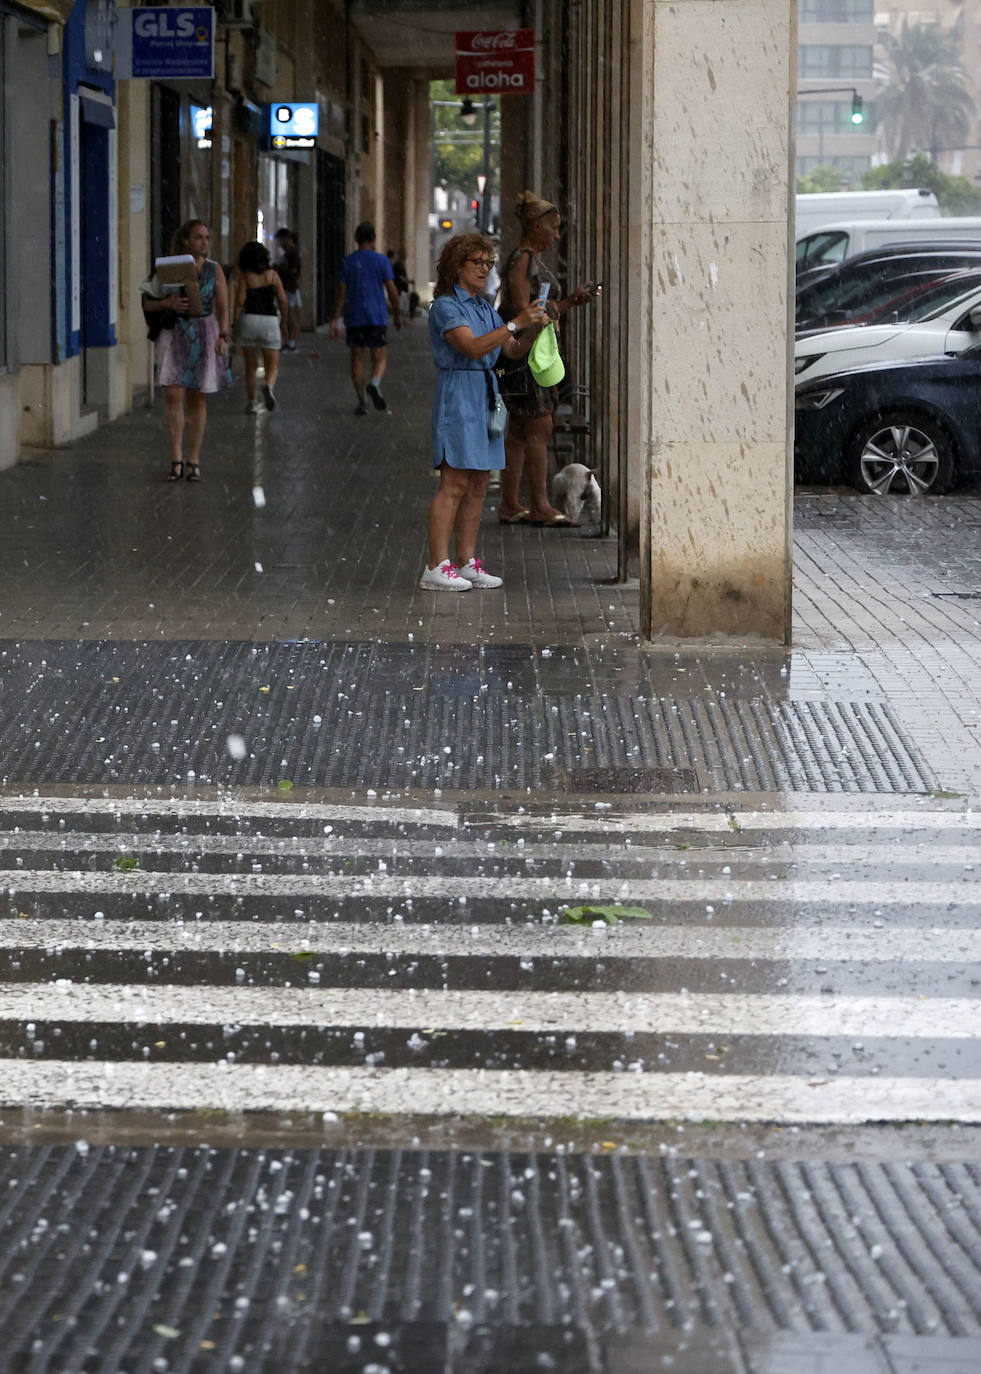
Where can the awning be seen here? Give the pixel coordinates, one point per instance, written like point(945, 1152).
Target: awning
point(97, 107)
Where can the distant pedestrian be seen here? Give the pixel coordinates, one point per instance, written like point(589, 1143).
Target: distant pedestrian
point(259, 303)
point(402, 283)
point(467, 335)
point(364, 294)
point(289, 267)
point(190, 349)
point(398, 273)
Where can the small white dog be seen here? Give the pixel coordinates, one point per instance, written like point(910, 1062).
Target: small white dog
point(576, 493)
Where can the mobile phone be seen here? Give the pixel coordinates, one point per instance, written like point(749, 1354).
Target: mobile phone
point(543, 293)
point(595, 288)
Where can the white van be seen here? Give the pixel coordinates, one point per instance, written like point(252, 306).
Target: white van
point(823, 207)
point(834, 243)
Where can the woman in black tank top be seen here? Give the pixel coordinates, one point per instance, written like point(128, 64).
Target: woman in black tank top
point(530, 406)
point(258, 305)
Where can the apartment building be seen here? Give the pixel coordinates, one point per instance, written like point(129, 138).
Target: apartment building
point(836, 46)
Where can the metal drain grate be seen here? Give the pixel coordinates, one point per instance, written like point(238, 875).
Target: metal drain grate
point(345, 715)
point(623, 780)
point(545, 1243)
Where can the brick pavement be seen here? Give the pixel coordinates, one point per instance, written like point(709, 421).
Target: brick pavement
point(98, 546)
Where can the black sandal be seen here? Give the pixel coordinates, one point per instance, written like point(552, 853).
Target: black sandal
point(194, 472)
point(176, 471)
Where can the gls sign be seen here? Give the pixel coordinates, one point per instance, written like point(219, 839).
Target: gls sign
point(163, 23)
point(158, 41)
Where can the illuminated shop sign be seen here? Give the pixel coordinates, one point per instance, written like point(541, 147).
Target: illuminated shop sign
point(294, 125)
point(201, 121)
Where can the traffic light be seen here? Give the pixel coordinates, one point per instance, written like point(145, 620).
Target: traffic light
point(475, 207)
point(858, 114)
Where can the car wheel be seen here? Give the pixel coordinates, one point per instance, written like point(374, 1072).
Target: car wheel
point(903, 454)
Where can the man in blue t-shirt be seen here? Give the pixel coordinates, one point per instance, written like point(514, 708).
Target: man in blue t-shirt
point(364, 293)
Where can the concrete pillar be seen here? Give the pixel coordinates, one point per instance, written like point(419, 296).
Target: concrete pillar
point(417, 188)
point(712, 86)
point(133, 112)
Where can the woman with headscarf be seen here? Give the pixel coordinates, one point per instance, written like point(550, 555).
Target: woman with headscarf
point(467, 335)
point(530, 406)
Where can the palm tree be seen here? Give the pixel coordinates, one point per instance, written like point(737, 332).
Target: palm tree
point(922, 100)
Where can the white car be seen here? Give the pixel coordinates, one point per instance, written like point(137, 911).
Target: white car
point(934, 327)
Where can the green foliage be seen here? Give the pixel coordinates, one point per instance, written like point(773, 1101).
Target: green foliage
point(923, 102)
point(125, 863)
point(821, 178)
point(612, 915)
point(957, 195)
point(458, 151)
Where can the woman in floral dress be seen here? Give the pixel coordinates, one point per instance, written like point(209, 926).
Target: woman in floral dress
point(190, 355)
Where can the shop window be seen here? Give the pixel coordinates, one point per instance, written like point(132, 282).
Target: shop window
point(274, 199)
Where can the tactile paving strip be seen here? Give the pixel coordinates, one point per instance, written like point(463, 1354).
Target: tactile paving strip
point(114, 1258)
point(334, 715)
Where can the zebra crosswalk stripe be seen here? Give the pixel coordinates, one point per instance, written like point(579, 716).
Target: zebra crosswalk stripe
point(626, 1097)
point(454, 888)
point(901, 900)
point(734, 944)
point(722, 1014)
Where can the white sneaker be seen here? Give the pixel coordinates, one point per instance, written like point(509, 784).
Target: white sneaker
point(474, 573)
point(445, 578)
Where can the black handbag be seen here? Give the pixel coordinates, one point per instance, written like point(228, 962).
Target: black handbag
point(157, 321)
point(514, 379)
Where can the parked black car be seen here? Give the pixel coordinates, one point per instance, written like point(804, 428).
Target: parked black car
point(863, 283)
point(908, 428)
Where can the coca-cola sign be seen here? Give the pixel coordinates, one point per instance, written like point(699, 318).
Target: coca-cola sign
point(494, 42)
point(496, 63)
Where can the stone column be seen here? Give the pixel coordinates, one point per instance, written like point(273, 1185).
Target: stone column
point(709, 371)
point(418, 191)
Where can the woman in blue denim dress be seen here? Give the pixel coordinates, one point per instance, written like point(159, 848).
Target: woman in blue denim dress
point(467, 335)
